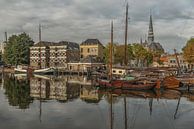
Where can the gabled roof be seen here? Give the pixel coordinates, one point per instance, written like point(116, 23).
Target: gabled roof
point(91, 42)
point(70, 45)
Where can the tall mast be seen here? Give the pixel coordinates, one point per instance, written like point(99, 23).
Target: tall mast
point(40, 40)
point(126, 33)
point(110, 50)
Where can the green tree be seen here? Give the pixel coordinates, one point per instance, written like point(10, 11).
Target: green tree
point(120, 54)
point(188, 51)
point(17, 49)
point(107, 53)
point(142, 56)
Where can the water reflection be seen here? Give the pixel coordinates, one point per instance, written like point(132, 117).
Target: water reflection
point(73, 101)
point(18, 92)
point(21, 91)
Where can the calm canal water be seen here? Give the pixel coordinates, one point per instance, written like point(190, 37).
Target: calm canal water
point(71, 102)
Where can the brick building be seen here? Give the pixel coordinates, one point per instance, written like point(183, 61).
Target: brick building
point(50, 54)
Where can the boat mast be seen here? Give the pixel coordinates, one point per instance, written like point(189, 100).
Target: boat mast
point(125, 61)
point(110, 51)
point(126, 33)
point(40, 40)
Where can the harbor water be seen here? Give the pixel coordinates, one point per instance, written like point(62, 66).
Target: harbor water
point(74, 102)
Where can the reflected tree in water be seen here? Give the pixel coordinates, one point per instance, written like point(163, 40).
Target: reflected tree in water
point(18, 92)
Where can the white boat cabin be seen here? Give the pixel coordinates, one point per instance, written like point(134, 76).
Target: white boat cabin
point(119, 71)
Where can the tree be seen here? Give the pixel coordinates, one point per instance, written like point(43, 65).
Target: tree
point(17, 49)
point(107, 53)
point(188, 51)
point(142, 56)
point(120, 54)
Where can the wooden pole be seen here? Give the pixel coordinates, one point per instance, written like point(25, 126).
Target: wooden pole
point(126, 33)
point(111, 48)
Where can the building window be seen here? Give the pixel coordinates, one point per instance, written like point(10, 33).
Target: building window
point(88, 50)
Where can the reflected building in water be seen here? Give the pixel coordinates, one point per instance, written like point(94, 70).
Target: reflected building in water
point(54, 88)
point(90, 94)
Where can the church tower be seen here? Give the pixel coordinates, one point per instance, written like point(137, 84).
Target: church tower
point(150, 32)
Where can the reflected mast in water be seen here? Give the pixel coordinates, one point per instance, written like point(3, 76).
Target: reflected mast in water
point(111, 111)
point(177, 107)
point(40, 102)
point(150, 105)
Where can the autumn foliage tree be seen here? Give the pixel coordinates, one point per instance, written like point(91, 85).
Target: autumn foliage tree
point(188, 51)
point(135, 52)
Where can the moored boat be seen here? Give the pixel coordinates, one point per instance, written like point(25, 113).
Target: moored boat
point(171, 82)
point(20, 70)
point(138, 85)
point(128, 85)
point(44, 71)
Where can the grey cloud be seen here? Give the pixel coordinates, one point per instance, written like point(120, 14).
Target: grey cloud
point(77, 20)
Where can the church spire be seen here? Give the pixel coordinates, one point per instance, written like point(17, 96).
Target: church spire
point(151, 31)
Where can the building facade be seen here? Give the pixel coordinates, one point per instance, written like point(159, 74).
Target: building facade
point(91, 47)
point(89, 63)
point(171, 61)
point(50, 54)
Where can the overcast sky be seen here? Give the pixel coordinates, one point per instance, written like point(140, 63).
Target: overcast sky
point(77, 20)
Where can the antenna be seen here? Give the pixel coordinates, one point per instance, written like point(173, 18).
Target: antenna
point(40, 33)
point(5, 37)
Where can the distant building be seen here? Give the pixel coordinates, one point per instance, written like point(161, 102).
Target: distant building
point(89, 63)
point(91, 47)
point(3, 44)
point(170, 61)
point(2, 47)
point(50, 54)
